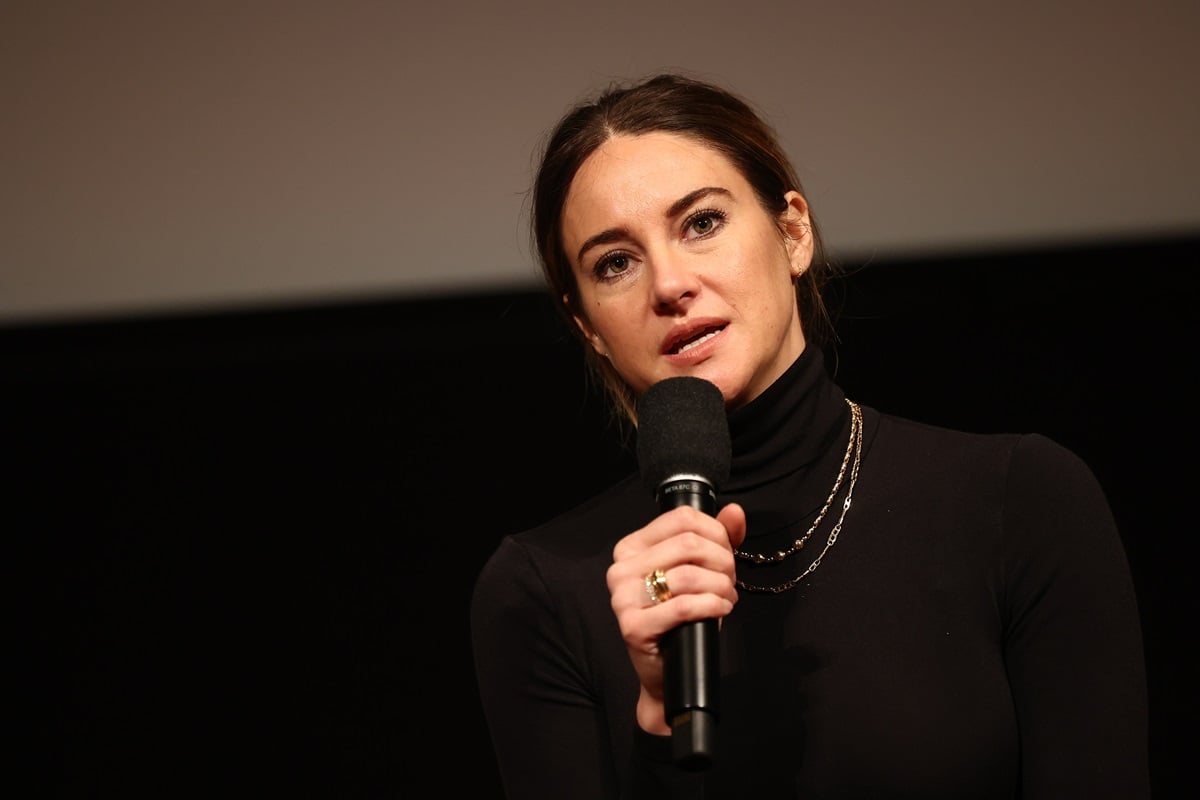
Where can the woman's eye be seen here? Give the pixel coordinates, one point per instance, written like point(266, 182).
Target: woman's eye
point(611, 265)
point(705, 222)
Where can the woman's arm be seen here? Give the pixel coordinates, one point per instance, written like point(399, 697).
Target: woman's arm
point(548, 730)
point(1073, 641)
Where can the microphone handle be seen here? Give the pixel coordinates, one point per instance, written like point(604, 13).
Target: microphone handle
point(691, 662)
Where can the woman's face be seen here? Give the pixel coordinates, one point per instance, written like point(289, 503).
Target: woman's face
point(680, 269)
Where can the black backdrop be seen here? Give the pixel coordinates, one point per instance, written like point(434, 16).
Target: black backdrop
point(242, 545)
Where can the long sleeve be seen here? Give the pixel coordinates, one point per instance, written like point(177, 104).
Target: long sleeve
point(1072, 644)
point(547, 727)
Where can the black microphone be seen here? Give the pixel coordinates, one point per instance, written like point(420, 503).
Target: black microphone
point(684, 452)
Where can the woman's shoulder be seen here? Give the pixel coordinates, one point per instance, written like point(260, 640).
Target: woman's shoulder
point(581, 534)
point(563, 558)
point(945, 438)
point(1029, 464)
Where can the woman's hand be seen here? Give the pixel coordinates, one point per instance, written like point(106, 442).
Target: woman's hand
point(695, 551)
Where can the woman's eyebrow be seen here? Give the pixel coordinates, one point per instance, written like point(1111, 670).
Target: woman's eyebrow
point(604, 237)
point(682, 204)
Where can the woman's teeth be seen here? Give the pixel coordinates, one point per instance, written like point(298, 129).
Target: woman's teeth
point(683, 348)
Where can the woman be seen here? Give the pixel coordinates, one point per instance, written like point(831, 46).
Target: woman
point(905, 611)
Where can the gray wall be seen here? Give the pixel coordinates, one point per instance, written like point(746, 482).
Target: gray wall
point(162, 156)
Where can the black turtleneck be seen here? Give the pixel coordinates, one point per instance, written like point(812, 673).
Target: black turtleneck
point(971, 633)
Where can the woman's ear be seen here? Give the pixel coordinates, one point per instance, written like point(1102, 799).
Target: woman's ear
point(797, 227)
point(588, 332)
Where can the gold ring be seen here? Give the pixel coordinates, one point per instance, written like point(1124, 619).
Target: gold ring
point(656, 586)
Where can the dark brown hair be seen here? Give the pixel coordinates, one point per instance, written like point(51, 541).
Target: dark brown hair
point(688, 107)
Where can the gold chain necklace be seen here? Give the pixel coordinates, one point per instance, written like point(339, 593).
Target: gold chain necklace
point(765, 558)
point(853, 446)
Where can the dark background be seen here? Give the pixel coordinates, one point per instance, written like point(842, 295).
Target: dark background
point(242, 545)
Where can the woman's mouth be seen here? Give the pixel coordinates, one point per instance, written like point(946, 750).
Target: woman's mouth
point(698, 339)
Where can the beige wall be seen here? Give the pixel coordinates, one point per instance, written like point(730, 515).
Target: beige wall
point(169, 155)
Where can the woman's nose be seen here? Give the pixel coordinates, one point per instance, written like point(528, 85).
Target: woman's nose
point(674, 279)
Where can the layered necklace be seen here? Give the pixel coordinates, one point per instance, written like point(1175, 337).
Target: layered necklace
point(850, 464)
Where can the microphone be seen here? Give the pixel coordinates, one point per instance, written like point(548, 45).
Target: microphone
point(684, 453)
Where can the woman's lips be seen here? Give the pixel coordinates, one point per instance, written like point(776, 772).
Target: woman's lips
point(695, 341)
point(687, 342)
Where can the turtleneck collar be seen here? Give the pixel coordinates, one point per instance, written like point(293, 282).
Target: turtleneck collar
point(795, 429)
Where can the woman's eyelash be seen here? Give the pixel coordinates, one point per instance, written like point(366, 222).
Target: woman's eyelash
point(714, 214)
point(609, 261)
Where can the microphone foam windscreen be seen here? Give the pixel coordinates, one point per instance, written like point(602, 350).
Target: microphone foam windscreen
point(682, 430)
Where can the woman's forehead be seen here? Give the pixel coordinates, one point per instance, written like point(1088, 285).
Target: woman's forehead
point(646, 173)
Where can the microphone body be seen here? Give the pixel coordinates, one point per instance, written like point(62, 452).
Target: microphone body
point(684, 453)
point(691, 661)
